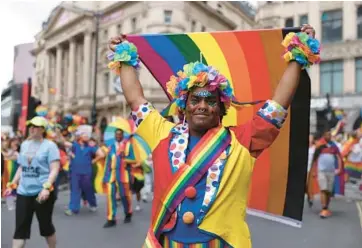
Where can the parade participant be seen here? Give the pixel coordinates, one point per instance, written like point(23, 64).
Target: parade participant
point(352, 153)
point(138, 181)
point(147, 190)
point(203, 169)
point(81, 173)
point(38, 169)
point(10, 168)
point(117, 178)
point(99, 169)
point(325, 159)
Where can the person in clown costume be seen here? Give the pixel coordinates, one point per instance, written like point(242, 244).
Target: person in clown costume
point(202, 169)
point(117, 179)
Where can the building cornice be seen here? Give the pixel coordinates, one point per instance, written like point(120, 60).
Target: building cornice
point(342, 50)
point(231, 5)
point(66, 26)
point(222, 18)
point(35, 51)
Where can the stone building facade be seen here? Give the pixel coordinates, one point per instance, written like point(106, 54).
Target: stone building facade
point(339, 27)
point(65, 48)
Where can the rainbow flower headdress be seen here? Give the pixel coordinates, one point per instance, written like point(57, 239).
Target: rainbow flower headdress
point(197, 74)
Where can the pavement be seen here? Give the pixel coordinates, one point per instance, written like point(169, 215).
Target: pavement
point(85, 230)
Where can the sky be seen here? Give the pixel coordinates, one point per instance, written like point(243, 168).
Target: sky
point(20, 21)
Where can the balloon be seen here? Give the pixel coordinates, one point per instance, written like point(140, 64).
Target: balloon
point(52, 91)
point(77, 119)
point(41, 111)
point(68, 117)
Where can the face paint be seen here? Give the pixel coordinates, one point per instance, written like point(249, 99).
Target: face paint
point(202, 93)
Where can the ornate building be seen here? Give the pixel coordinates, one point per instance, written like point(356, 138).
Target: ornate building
point(65, 47)
point(339, 27)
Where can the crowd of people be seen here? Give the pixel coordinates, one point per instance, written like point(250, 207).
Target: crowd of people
point(34, 167)
point(201, 190)
point(335, 159)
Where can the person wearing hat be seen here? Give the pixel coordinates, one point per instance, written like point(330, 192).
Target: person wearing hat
point(202, 168)
point(38, 169)
point(81, 172)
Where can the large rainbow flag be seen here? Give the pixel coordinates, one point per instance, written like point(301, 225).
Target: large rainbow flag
point(252, 61)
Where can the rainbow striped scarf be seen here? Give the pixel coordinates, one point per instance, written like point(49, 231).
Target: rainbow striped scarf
point(201, 158)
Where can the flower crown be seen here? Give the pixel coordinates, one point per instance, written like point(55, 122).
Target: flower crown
point(197, 74)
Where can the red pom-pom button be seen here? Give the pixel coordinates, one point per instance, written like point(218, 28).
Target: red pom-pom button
point(190, 192)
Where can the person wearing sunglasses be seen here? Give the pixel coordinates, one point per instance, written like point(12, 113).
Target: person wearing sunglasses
point(34, 183)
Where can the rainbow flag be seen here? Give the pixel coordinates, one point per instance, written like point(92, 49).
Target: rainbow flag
point(98, 173)
point(9, 172)
point(353, 169)
point(170, 110)
point(252, 62)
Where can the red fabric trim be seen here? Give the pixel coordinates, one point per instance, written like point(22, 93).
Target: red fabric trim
point(162, 173)
point(256, 135)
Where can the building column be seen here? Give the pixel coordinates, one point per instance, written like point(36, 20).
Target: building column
point(87, 63)
point(46, 82)
point(349, 20)
point(314, 74)
point(314, 17)
point(349, 76)
point(71, 72)
point(58, 71)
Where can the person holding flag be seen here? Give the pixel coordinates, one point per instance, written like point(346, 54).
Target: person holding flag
point(202, 169)
point(117, 178)
point(327, 164)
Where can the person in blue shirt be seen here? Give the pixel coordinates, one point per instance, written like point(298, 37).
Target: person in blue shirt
point(80, 171)
point(38, 169)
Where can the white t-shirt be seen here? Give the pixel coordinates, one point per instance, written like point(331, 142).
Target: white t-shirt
point(311, 151)
point(355, 155)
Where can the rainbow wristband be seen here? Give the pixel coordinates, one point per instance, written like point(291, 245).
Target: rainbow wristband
point(125, 53)
point(48, 186)
point(302, 48)
point(11, 186)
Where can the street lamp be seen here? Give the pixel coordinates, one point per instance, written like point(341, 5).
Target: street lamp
point(94, 106)
point(96, 15)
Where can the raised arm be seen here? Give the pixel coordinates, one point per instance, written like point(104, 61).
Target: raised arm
point(263, 129)
point(130, 83)
point(151, 126)
point(289, 82)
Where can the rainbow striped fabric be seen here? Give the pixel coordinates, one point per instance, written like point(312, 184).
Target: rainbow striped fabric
point(252, 62)
point(353, 169)
point(216, 243)
point(200, 159)
point(9, 172)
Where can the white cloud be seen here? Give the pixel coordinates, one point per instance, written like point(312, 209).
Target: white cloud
point(20, 21)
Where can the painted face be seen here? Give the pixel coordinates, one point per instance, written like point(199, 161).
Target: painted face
point(203, 109)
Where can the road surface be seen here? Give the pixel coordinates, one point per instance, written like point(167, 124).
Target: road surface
point(85, 230)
